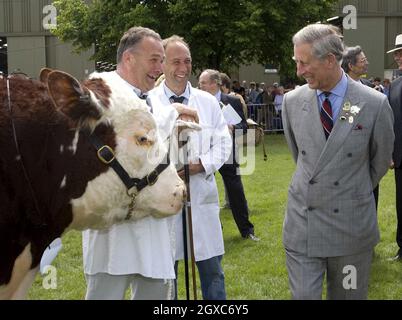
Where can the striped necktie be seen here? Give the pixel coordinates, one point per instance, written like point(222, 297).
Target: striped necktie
point(326, 115)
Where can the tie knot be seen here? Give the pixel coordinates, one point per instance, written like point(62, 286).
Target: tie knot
point(327, 94)
point(177, 99)
point(143, 96)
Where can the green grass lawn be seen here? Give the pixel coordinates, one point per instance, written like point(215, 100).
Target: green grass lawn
point(253, 270)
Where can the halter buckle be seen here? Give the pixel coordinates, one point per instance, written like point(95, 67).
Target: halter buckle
point(102, 158)
point(152, 177)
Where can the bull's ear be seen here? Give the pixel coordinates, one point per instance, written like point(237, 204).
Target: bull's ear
point(72, 99)
point(43, 74)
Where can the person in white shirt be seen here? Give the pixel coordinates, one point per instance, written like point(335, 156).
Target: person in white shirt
point(211, 148)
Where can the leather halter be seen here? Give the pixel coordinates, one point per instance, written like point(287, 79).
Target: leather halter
point(107, 156)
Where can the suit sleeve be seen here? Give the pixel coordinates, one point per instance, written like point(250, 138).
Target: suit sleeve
point(287, 127)
point(240, 128)
point(381, 143)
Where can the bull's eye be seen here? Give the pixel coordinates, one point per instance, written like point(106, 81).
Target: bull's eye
point(142, 139)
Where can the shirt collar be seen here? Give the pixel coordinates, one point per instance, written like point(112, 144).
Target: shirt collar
point(135, 89)
point(340, 88)
point(169, 93)
point(218, 95)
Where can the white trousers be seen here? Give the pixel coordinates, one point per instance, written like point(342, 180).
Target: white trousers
point(104, 286)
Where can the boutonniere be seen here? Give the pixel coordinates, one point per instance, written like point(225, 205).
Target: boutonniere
point(349, 111)
point(354, 110)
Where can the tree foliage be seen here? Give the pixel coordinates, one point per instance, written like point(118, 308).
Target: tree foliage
point(221, 34)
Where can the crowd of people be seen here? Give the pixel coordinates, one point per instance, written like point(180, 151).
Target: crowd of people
point(264, 102)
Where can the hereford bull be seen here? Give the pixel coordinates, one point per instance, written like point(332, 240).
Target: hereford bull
point(58, 141)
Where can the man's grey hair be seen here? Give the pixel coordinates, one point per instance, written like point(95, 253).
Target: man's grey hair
point(324, 39)
point(132, 37)
point(350, 56)
point(214, 75)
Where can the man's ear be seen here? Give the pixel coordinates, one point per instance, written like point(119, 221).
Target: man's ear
point(72, 99)
point(332, 60)
point(128, 56)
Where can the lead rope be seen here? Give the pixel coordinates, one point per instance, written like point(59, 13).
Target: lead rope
point(19, 156)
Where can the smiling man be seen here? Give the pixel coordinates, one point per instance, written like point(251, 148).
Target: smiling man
point(146, 56)
point(211, 146)
point(341, 138)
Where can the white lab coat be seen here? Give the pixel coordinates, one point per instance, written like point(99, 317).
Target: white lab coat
point(139, 247)
point(214, 150)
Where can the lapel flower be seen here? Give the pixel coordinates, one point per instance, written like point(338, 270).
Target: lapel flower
point(354, 110)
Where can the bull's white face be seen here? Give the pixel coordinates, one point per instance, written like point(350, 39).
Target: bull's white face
point(139, 150)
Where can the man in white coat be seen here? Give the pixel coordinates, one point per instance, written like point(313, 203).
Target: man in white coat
point(212, 147)
point(134, 254)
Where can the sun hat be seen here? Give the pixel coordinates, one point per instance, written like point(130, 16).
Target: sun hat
point(398, 44)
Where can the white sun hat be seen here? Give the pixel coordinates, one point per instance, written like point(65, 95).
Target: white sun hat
point(398, 44)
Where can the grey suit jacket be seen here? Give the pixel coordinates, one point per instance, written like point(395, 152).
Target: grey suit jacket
point(331, 210)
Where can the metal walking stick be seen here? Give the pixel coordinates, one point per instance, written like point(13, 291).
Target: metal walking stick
point(190, 226)
point(186, 277)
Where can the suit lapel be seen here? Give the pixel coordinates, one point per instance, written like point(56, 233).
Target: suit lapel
point(311, 119)
point(224, 98)
point(342, 126)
